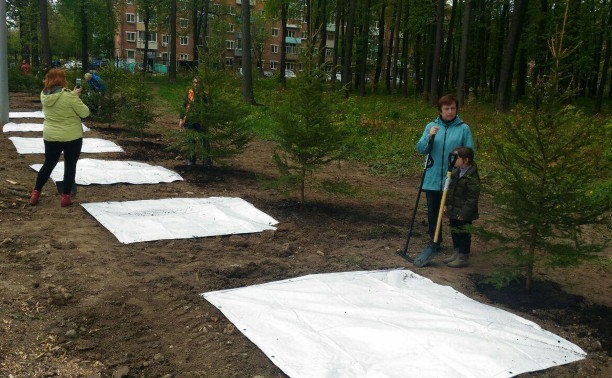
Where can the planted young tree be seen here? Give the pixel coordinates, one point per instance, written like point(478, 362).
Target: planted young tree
point(111, 101)
point(550, 181)
point(224, 118)
point(138, 110)
point(307, 135)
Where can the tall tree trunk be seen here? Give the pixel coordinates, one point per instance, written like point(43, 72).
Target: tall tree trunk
point(521, 75)
point(196, 25)
point(396, 29)
point(283, 46)
point(434, 86)
point(172, 68)
point(431, 40)
point(599, 43)
point(323, 31)
point(364, 48)
point(444, 77)
point(417, 64)
point(247, 74)
point(205, 9)
point(381, 44)
point(84, 36)
point(44, 34)
point(541, 43)
point(145, 61)
point(501, 36)
point(505, 81)
point(348, 49)
point(336, 41)
point(390, 51)
point(463, 52)
point(606, 63)
point(404, 81)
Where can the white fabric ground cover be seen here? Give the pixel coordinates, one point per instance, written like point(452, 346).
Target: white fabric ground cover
point(90, 145)
point(105, 172)
point(24, 127)
point(179, 218)
point(34, 114)
point(386, 324)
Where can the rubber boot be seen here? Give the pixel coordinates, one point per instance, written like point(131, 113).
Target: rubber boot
point(452, 257)
point(35, 197)
point(460, 262)
point(66, 201)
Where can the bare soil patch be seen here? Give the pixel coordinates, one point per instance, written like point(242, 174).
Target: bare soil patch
point(76, 302)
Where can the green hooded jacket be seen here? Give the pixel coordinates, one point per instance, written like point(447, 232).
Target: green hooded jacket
point(63, 111)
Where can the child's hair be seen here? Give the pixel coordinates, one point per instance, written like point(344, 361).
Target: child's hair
point(88, 76)
point(55, 78)
point(465, 153)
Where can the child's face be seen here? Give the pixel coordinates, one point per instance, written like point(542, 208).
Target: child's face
point(461, 162)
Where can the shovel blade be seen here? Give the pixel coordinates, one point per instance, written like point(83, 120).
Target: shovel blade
point(426, 256)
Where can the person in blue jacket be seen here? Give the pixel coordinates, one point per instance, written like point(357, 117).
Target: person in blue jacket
point(439, 139)
point(95, 82)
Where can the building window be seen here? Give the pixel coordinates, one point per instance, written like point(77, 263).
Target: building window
point(131, 55)
point(329, 52)
point(291, 33)
point(230, 10)
point(184, 40)
point(274, 32)
point(291, 48)
point(130, 17)
point(274, 49)
point(129, 2)
point(273, 65)
point(289, 66)
point(184, 56)
point(184, 23)
point(165, 39)
point(152, 36)
point(229, 44)
point(130, 36)
point(330, 36)
point(229, 62)
point(230, 28)
point(140, 19)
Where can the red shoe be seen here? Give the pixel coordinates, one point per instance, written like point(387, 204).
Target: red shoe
point(35, 197)
point(66, 201)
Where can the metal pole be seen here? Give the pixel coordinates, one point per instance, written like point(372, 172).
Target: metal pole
point(4, 93)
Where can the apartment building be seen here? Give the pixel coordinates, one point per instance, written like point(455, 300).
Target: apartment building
point(130, 44)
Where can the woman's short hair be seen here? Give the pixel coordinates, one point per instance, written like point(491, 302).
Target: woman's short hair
point(447, 100)
point(56, 77)
point(465, 153)
point(88, 76)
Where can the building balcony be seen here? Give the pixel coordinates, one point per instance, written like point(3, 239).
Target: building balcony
point(141, 45)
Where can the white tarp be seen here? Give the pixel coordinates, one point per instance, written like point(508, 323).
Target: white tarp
point(386, 324)
point(22, 127)
point(93, 171)
point(90, 145)
point(32, 114)
point(179, 218)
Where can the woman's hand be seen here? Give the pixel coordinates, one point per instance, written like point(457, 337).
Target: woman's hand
point(433, 131)
point(78, 90)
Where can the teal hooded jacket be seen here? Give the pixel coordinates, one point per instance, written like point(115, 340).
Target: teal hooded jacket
point(450, 136)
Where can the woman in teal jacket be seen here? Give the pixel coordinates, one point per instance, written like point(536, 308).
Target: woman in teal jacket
point(439, 139)
point(62, 132)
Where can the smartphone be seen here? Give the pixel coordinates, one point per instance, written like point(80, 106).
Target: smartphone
point(78, 82)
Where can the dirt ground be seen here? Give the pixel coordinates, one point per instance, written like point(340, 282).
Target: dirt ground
point(76, 302)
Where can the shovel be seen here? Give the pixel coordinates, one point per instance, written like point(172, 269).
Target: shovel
point(403, 253)
point(431, 251)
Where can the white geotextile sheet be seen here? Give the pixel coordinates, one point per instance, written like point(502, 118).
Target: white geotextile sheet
point(90, 145)
point(23, 127)
point(94, 171)
point(179, 218)
point(33, 114)
point(386, 324)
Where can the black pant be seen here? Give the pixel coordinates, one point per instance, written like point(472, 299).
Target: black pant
point(462, 239)
point(433, 208)
point(53, 150)
point(193, 139)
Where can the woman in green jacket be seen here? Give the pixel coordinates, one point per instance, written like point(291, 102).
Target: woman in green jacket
point(62, 132)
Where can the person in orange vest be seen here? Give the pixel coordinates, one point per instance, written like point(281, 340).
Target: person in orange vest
point(25, 67)
point(191, 122)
